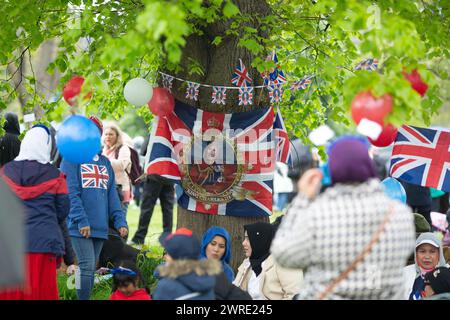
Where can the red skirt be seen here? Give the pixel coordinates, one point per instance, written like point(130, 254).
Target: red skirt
point(40, 282)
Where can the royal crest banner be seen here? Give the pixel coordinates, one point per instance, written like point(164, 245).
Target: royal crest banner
point(223, 163)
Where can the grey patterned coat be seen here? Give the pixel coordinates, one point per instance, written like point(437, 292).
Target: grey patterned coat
point(323, 237)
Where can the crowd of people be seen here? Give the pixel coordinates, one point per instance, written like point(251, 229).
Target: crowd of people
point(341, 240)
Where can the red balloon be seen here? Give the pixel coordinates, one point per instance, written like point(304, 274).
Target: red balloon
point(365, 105)
point(162, 102)
point(386, 137)
point(416, 82)
point(73, 88)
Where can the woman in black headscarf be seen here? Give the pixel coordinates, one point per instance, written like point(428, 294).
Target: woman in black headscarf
point(10, 143)
point(259, 275)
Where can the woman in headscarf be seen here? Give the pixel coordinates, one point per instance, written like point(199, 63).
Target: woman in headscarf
point(352, 239)
point(10, 143)
point(259, 274)
point(216, 244)
point(43, 191)
point(428, 255)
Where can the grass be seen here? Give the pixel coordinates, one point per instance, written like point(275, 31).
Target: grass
point(102, 290)
point(155, 229)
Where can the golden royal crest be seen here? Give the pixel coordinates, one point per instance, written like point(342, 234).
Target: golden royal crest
point(211, 177)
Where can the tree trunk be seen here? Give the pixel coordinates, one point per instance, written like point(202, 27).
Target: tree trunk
point(45, 84)
point(200, 222)
point(218, 63)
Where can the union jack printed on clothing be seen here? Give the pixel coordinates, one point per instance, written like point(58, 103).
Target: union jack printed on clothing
point(241, 76)
point(245, 96)
point(94, 176)
point(275, 93)
point(422, 157)
point(167, 81)
point(368, 64)
point(301, 84)
point(219, 95)
point(192, 91)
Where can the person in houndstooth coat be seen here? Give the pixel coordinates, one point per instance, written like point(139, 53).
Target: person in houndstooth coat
point(325, 234)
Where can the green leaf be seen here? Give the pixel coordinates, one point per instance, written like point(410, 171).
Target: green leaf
point(217, 40)
point(230, 9)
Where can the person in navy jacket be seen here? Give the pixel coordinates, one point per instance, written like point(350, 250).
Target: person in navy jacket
point(93, 202)
point(43, 191)
point(185, 276)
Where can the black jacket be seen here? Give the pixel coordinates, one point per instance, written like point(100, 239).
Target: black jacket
point(225, 290)
point(10, 143)
point(69, 256)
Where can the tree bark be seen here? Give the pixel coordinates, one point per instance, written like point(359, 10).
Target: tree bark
point(218, 63)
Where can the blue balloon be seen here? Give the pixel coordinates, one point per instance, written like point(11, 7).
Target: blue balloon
point(78, 139)
point(394, 189)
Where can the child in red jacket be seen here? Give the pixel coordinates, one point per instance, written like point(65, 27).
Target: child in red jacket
point(126, 280)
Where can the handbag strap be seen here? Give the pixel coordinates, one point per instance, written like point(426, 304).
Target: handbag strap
point(376, 236)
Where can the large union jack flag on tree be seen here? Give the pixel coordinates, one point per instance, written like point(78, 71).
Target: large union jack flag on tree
point(232, 171)
point(422, 157)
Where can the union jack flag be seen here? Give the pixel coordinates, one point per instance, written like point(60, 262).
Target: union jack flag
point(192, 91)
point(245, 96)
point(94, 176)
point(422, 157)
point(167, 81)
point(219, 95)
point(251, 134)
point(275, 76)
point(282, 140)
point(368, 64)
point(275, 93)
point(240, 76)
point(301, 84)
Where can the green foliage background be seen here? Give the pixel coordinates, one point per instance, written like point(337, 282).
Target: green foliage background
point(325, 38)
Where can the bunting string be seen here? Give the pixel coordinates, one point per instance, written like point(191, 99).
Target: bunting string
point(274, 81)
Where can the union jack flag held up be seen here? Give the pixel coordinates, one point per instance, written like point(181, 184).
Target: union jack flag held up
point(94, 176)
point(421, 156)
point(301, 84)
point(368, 64)
point(240, 76)
point(276, 75)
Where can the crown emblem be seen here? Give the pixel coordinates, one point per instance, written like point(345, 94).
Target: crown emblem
point(213, 122)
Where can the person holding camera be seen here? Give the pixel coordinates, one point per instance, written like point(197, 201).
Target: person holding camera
point(352, 240)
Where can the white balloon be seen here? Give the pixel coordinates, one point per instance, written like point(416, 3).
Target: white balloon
point(138, 91)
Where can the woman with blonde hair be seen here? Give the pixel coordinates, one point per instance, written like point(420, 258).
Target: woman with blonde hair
point(119, 154)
